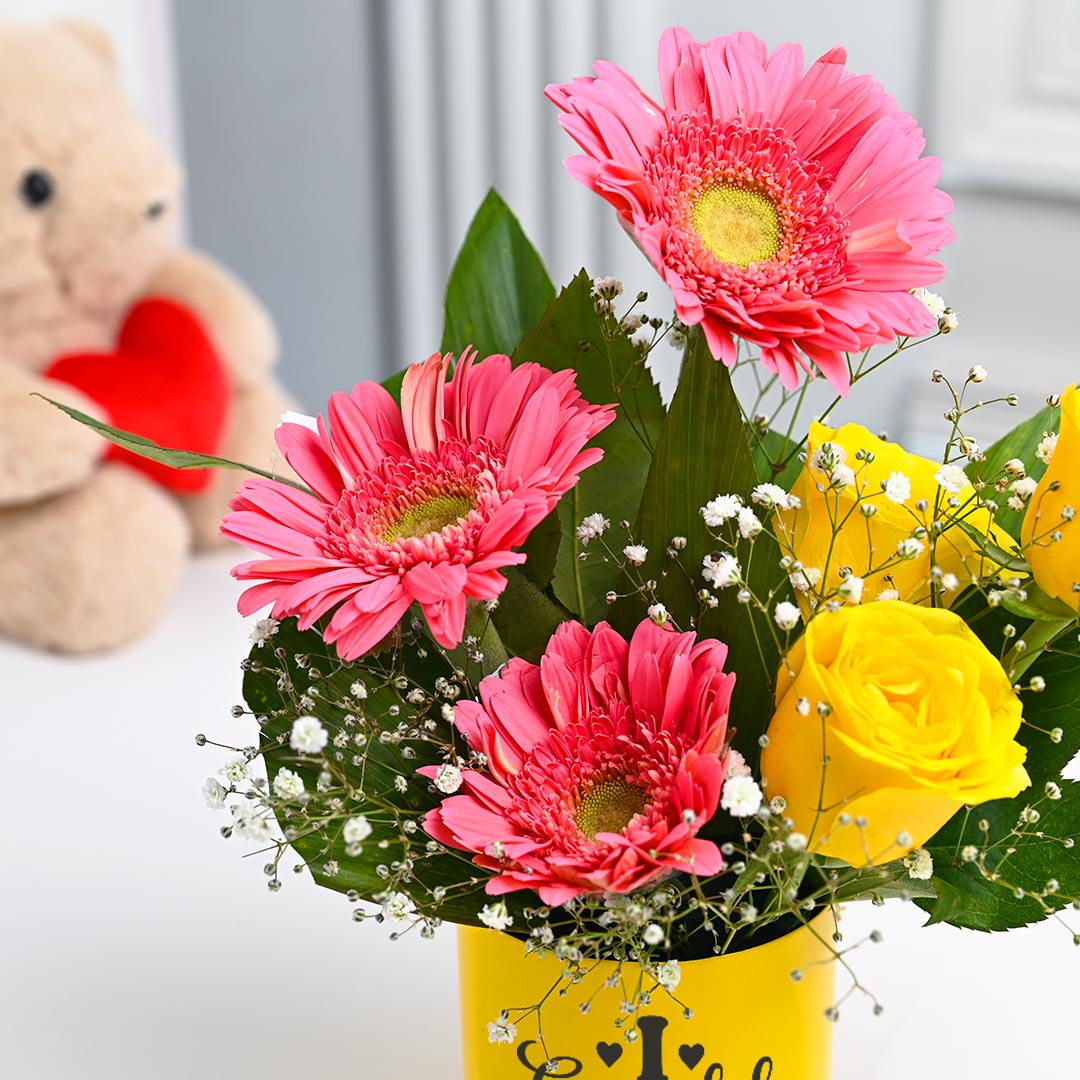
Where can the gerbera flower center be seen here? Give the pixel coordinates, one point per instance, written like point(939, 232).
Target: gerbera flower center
point(609, 807)
point(430, 516)
point(738, 225)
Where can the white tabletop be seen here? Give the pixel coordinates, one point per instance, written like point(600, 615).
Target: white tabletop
point(138, 945)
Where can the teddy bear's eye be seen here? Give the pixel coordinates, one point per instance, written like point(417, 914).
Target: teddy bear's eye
point(36, 187)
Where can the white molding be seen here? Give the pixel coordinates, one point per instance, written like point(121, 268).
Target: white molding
point(1008, 74)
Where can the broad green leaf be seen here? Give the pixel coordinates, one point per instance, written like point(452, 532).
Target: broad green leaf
point(1025, 857)
point(1036, 604)
point(703, 451)
point(609, 370)
point(542, 549)
point(525, 617)
point(1058, 706)
point(363, 774)
point(1020, 443)
point(498, 288)
point(772, 448)
point(177, 459)
point(1007, 559)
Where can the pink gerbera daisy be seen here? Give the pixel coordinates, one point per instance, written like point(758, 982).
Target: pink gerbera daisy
point(602, 763)
point(789, 207)
point(419, 504)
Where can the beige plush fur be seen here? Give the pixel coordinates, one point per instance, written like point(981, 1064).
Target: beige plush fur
point(90, 554)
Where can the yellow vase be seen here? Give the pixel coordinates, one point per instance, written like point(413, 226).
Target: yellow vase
point(751, 1020)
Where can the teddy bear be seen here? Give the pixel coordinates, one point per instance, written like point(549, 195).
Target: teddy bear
point(99, 309)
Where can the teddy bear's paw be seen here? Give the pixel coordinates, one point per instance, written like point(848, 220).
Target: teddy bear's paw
point(91, 569)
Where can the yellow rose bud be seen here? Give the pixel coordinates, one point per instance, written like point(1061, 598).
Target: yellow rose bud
point(1052, 511)
point(913, 717)
point(888, 488)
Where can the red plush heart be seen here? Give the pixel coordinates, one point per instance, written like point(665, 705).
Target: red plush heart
point(165, 381)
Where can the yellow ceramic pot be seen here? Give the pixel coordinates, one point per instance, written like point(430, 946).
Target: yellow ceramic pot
point(751, 1020)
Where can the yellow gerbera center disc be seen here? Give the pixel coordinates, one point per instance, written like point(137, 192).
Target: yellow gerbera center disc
point(609, 807)
point(738, 225)
point(427, 517)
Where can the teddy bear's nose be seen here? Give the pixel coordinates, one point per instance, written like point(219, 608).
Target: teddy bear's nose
point(155, 210)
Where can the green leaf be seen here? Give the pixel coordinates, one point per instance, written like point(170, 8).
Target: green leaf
point(703, 451)
point(177, 459)
point(1036, 605)
point(1021, 443)
point(542, 550)
point(393, 384)
point(1007, 559)
point(498, 288)
point(570, 335)
point(1058, 706)
point(1020, 860)
point(773, 446)
point(526, 617)
point(272, 689)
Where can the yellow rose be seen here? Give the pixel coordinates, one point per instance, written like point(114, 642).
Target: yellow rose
point(1056, 563)
point(862, 542)
point(920, 720)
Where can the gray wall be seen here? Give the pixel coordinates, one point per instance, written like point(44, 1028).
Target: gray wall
point(336, 152)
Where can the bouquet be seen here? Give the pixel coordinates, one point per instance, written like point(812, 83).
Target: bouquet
point(646, 684)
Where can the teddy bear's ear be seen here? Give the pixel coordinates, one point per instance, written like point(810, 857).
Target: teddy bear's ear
point(92, 36)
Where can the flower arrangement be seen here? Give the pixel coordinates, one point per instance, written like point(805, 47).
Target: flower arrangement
point(645, 683)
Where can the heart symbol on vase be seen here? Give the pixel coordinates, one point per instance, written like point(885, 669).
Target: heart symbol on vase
point(608, 1053)
point(165, 381)
point(691, 1055)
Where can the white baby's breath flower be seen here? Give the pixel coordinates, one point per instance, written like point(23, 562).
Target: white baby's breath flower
point(934, 303)
point(952, 478)
point(288, 784)
point(214, 793)
point(827, 456)
point(356, 830)
point(263, 631)
point(358, 690)
point(887, 594)
point(920, 864)
point(774, 497)
point(749, 525)
point(805, 578)
point(668, 974)
point(909, 548)
point(977, 373)
point(1014, 502)
point(658, 613)
point(250, 821)
point(397, 906)
point(501, 1031)
point(1048, 444)
point(236, 770)
point(635, 554)
point(721, 570)
point(1025, 487)
point(606, 288)
point(1015, 467)
point(897, 488)
point(948, 322)
point(722, 508)
point(496, 916)
point(308, 736)
point(448, 779)
point(797, 841)
point(851, 589)
point(653, 934)
point(843, 476)
point(786, 615)
point(591, 528)
point(741, 796)
point(949, 582)
point(736, 765)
